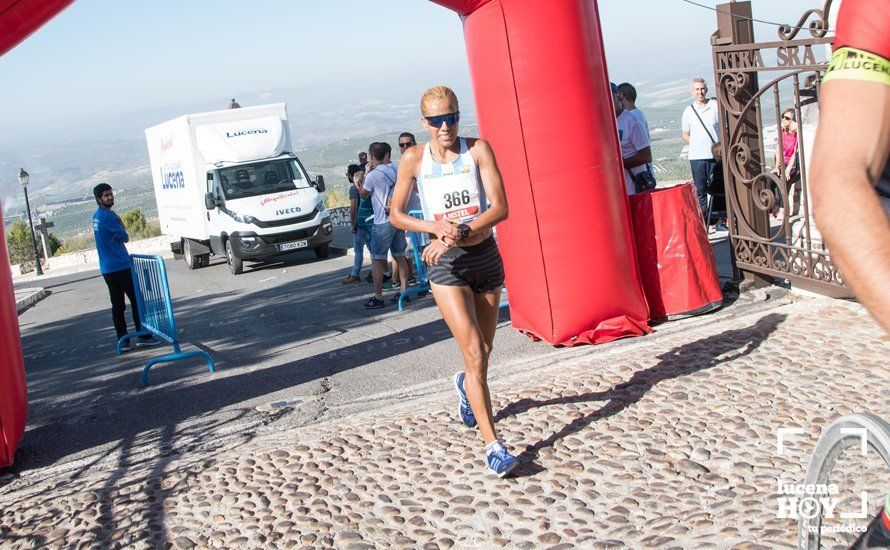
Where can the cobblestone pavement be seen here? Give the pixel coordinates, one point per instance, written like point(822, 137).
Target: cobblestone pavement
point(656, 443)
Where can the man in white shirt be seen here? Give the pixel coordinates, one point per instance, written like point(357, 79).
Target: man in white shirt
point(629, 93)
point(385, 239)
point(701, 132)
point(634, 138)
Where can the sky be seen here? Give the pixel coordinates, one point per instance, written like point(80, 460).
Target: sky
point(101, 59)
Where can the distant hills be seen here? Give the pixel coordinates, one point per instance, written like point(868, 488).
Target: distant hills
point(328, 138)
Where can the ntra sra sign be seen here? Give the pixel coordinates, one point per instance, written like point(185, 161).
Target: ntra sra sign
point(238, 133)
point(171, 177)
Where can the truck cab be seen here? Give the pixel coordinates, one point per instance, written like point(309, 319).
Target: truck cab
point(260, 209)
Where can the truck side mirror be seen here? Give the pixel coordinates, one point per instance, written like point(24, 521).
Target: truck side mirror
point(319, 184)
point(209, 201)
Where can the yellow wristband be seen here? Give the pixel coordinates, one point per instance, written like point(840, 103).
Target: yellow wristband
point(853, 64)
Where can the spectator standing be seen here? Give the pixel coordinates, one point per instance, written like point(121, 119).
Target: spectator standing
point(701, 130)
point(786, 150)
point(114, 264)
point(379, 183)
point(407, 141)
point(635, 149)
point(629, 93)
point(363, 161)
point(361, 216)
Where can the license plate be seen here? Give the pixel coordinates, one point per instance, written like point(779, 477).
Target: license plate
point(293, 246)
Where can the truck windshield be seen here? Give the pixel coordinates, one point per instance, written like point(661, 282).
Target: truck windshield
point(260, 178)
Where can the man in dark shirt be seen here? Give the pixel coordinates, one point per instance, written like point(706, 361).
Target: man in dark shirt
point(114, 263)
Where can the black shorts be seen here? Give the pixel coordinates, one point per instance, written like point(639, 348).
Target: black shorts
point(478, 266)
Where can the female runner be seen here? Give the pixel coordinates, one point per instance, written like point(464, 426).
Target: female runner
point(462, 197)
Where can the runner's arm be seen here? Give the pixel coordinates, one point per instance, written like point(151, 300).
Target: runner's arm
point(851, 148)
point(493, 184)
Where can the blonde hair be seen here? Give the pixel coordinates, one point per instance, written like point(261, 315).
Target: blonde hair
point(439, 92)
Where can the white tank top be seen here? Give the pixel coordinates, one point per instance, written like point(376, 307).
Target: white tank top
point(452, 191)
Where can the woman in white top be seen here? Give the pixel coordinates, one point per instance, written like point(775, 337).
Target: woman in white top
point(462, 197)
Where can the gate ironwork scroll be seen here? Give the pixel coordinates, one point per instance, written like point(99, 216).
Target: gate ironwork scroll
point(772, 233)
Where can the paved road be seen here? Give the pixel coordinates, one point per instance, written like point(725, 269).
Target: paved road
point(292, 346)
point(657, 442)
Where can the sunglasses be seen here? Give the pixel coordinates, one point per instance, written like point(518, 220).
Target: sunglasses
point(786, 117)
point(437, 121)
point(408, 144)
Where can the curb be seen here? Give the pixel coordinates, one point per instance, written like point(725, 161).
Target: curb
point(34, 295)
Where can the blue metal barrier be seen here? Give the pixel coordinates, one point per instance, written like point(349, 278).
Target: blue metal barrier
point(156, 311)
point(418, 243)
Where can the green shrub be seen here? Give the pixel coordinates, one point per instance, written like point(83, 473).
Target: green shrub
point(19, 243)
point(337, 197)
point(134, 222)
point(76, 244)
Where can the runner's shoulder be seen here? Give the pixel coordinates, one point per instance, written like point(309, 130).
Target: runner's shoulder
point(412, 158)
point(478, 146)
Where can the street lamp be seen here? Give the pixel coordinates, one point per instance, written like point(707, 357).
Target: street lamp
point(23, 179)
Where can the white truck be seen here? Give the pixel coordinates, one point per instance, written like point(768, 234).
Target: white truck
point(228, 183)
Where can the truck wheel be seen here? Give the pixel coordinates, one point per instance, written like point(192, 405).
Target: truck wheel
point(236, 266)
point(191, 259)
point(322, 252)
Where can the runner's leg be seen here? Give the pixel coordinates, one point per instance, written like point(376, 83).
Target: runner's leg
point(458, 308)
point(488, 307)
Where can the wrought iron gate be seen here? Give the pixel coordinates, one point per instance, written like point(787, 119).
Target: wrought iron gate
point(769, 209)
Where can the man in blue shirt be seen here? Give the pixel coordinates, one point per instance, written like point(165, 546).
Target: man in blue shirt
point(114, 263)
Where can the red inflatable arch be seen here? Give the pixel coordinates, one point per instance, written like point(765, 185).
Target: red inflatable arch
point(542, 94)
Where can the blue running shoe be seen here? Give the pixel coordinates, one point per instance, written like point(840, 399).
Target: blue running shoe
point(500, 461)
point(466, 412)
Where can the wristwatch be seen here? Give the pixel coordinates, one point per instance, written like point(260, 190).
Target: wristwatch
point(464, 230)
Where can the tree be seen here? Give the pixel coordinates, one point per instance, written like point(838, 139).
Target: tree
point(54, 244)
point(134, 222)
point(18, 240)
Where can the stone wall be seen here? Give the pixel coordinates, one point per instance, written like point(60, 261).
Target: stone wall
point(155, 245)
point(340, 216)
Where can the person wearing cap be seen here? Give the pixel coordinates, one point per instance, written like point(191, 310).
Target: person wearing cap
point(114, 264)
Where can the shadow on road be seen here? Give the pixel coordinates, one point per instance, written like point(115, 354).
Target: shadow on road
point(681, 361)
point(82, 395)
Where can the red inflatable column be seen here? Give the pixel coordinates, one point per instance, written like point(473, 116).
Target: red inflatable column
point(544, 103)
point(20, 18)
point(13, 393)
